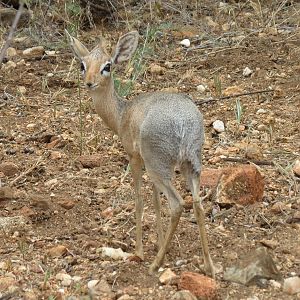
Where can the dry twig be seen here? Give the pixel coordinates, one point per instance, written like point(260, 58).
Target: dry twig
point(11, 32)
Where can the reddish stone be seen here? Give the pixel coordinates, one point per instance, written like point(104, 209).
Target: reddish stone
point(199, 285)
point(90, 161)
point(67, 203)
point(210, 177)
point(240, 185)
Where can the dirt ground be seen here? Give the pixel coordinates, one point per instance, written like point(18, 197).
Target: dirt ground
point(46, 127)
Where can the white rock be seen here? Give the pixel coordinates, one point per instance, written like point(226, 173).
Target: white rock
point(66, 279)
point(34, 51)
point(50, 52)
point(114, 253)
point(218, 126)
point(180, 262)
point(261, 111)
point(292, 285)
point(9, 65)
point(201, 88)
point(167, 276)
point(185, 43)
point(31, 126)
point(22, 89)
point(247, 72)
point(92, 283)
point(11, 52)
point(275, 284)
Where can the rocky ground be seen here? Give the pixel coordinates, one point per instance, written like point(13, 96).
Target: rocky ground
point(65, 185)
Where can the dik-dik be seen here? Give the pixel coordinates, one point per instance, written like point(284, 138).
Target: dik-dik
point(158, 131)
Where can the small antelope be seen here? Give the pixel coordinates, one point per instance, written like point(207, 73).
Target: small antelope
point(158, 130)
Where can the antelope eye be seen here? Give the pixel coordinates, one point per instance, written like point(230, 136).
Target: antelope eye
point(106, 68)
point(82, 67)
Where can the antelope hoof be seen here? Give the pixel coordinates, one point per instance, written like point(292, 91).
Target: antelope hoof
point(153, 268)
point(140, 254)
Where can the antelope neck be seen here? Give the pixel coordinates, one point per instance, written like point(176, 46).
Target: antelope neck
point(109, 105)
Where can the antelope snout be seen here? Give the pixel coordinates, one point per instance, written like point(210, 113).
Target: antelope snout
point(91, 85)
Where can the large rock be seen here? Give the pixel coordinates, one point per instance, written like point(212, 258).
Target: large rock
point(253, 267)
point(199, 285)
point(235, 185)
point(292, 285)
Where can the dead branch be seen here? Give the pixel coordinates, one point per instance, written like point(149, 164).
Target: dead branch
point(233, 96)
point(11, 32)
point(27, 172)
point(247, 161)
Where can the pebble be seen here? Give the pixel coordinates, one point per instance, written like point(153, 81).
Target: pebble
point(262, 127)
point(34, 51)
point(185, 42)
point(201, 88)
point(67, 203)
point(296, 167)
point(31, 126)
point(275, 284)
point(9, 65)
point(22, 89)
point(167, 277)
point(66, 279)
point(57, 251)
point(261, 111)
point(114, 253)
point(291, 285)
point(156, 69)
point(247, 72)
point(253, 151)
point(11, 52)
point(219, 126)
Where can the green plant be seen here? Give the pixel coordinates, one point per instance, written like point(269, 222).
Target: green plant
point(238, 111)
point(74, 13)
point(47, 276)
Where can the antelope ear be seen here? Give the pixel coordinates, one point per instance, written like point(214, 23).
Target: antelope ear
point(125, 48)
point(77, 47)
